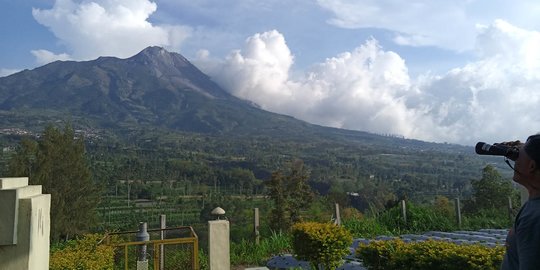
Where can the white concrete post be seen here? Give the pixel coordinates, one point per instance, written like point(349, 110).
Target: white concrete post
point(24, 225)
point(218, 242)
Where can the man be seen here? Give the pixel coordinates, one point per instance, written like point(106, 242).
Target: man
point(523, 240)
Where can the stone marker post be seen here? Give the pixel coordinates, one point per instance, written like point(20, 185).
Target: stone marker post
point(24, 225)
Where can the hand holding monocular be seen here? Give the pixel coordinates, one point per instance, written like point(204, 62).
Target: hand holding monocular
point(510, 152)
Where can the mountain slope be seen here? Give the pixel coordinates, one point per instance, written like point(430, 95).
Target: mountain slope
point(158, 103)
point(152, 88)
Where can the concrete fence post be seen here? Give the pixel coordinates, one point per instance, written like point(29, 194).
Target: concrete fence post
point(338, 216)
point(256, 225)
point(218, 242)
point(404, 210)
point(458, 212)
point(510, 209)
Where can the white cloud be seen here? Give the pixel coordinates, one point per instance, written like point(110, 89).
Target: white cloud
point(496, 97)
point(492, 99)
point(177, 34)
point(417, 23)
point(259, 72)
point(90, 29)
point(363, 89)
point(6, 72)
point(446, 23)
point(43, 56)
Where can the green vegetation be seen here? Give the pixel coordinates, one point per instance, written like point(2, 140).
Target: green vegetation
point(491, 192)
point(321, 244)
point(85, 253)
point(247, 252)
point(185, 175)
point(290, 194)
point(57, 162)
point(179, 145)
point(429, 255)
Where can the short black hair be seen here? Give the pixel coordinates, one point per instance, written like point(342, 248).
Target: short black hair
point(532, 148)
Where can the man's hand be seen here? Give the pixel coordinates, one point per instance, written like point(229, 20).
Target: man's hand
point(516, 144)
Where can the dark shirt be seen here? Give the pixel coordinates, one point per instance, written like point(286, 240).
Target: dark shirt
point(523, 240)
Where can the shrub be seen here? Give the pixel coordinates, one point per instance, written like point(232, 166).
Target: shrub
point(351, 213)
point(203, 260)
point(249, 253)
point(419, 219)
point(179, 257)
point(429, 255)
point(487, 218)
point(322, 244)
point(443, 206)
point(83, 254)
point(365, 227)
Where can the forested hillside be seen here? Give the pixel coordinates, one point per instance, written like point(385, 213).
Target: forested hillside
point(241, 164)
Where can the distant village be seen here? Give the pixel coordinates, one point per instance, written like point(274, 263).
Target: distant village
point(88, 134)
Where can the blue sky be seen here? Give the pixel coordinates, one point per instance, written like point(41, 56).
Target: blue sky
point(447, 71)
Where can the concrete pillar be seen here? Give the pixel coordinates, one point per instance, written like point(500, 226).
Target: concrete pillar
point(218, 245)
point(24, 225)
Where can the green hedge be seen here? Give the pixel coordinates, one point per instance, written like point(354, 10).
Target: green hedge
point(429, 255)
point(321, 244)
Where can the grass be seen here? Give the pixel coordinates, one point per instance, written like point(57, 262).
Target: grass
point(249, 253)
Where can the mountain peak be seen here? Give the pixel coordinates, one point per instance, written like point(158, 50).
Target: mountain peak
point(153, 51)
point(153, 86)
point(160, 59)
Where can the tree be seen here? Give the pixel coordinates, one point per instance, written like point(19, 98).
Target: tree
point(57, 162)
point(290, 193)
point(490, 192)
point(24, 160)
